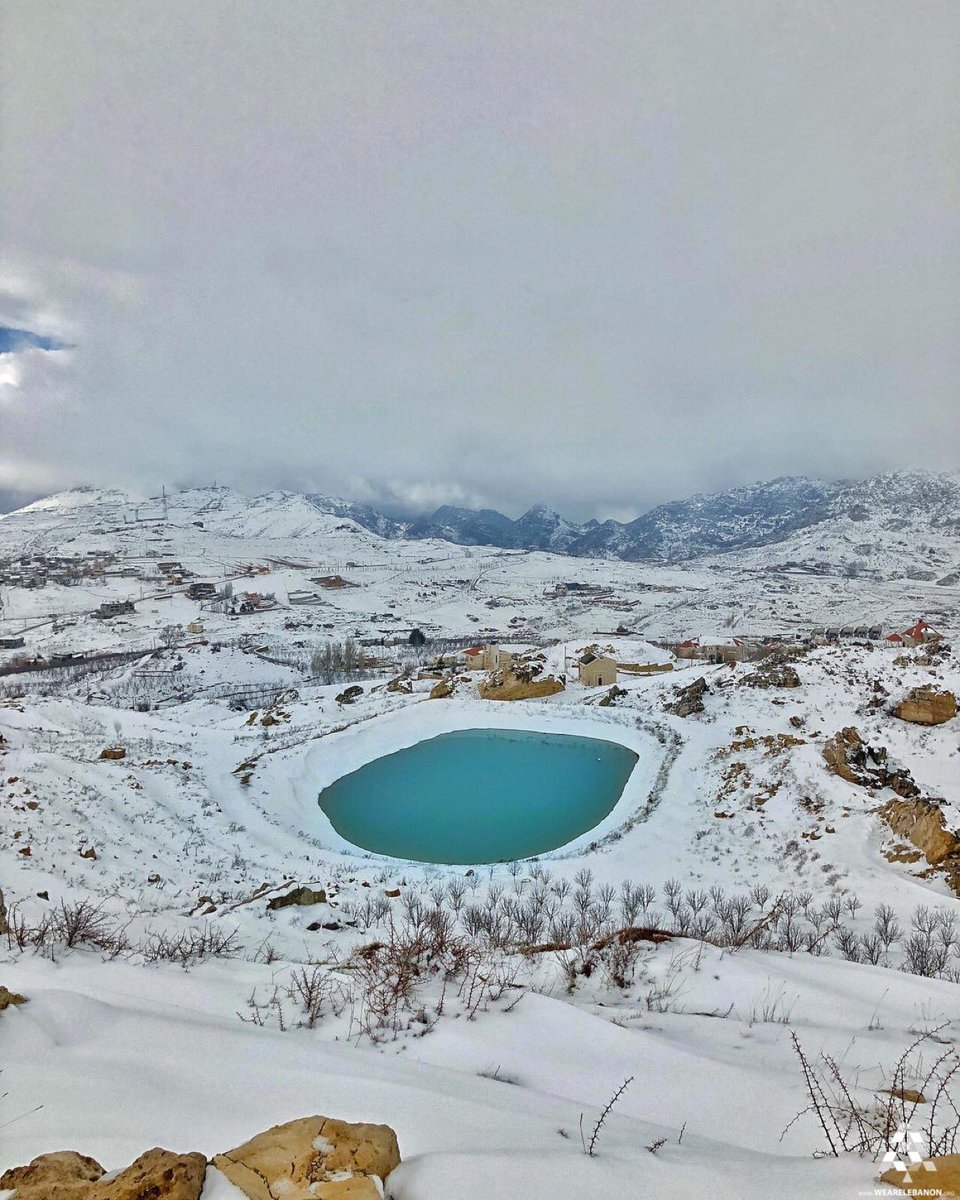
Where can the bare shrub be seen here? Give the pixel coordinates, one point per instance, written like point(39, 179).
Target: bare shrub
point(591, 1146)
point(867, 1127)
point(189, 946)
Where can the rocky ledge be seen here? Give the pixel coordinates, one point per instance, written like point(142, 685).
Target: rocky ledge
point(926, 706)
point(313, 1158)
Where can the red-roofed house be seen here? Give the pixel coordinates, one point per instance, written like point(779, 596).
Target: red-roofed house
point(917, 634)
point(474, 657)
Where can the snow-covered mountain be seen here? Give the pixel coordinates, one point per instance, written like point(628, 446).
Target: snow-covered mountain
point(363, 514)
point(902, 523)
point(899, 524)
point(673, 532)
point(727, 520)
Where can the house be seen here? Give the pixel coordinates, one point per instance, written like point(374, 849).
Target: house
point(202, 591)
point(332, 581)
point(495, 658)
point(489, 658)
point(596, 670)
point(195, 627)
point(113, 608)
point(11, 643)
point(920, 634)
point(894, 639)
point(721, 649)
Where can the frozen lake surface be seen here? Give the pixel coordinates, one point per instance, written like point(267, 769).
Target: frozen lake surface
point(479, 795)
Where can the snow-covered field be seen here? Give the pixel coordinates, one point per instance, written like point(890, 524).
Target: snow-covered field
point(190, 1013)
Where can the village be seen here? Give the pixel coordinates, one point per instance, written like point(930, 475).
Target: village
point(282, 605)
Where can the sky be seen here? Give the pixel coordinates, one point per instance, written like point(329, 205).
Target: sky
point(599, 254)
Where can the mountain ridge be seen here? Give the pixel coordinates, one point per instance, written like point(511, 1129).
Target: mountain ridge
point(789, 508)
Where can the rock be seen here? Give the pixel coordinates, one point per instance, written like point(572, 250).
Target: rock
point(66, 1175)
point(299, 895)
point(926, 706)
point(348, 695)
point(908, 1095)
point(774, 673)
point(689, 699)
point(113, 752)
point(158, 1173)
point(922, 822)
point(400, 684)
point(313, 1158)
point(52, 1175)
point(847, 755)
point(611, 698)
point(505, 685)
point(7, 998)
point(937, 1176)
point(442, 689)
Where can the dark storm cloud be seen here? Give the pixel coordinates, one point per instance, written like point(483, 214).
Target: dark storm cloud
point(599, 254)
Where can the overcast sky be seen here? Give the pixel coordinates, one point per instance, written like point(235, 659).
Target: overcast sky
point(600, 254)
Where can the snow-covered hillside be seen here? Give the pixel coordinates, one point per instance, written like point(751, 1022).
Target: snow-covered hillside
point(905, 524)
point(154, 898)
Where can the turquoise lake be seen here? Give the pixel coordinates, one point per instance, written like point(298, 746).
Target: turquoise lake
point(479, 795)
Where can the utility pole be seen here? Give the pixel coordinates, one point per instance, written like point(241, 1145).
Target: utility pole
point(163, 492)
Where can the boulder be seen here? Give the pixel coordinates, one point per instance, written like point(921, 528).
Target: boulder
point(611, 697)
point(922, 822)
point(442, 689)
point(113, 752)
point(299, 895)
point(313, 1158)
point(350, 694)
point(907, 1095)
point(52, 1175)
point(506, 685)
point(847, 755)
point(7, 998)
point(926, 706)
point(400, 684)
point(937, 1176)
point(774, 673)
point(158, 1173)
point(66, 1175)
point(689, 699)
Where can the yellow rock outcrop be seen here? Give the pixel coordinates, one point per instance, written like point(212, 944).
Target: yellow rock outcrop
point(922, 822)
point(507, 686)
point(313, 1158)
point(926, 706)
